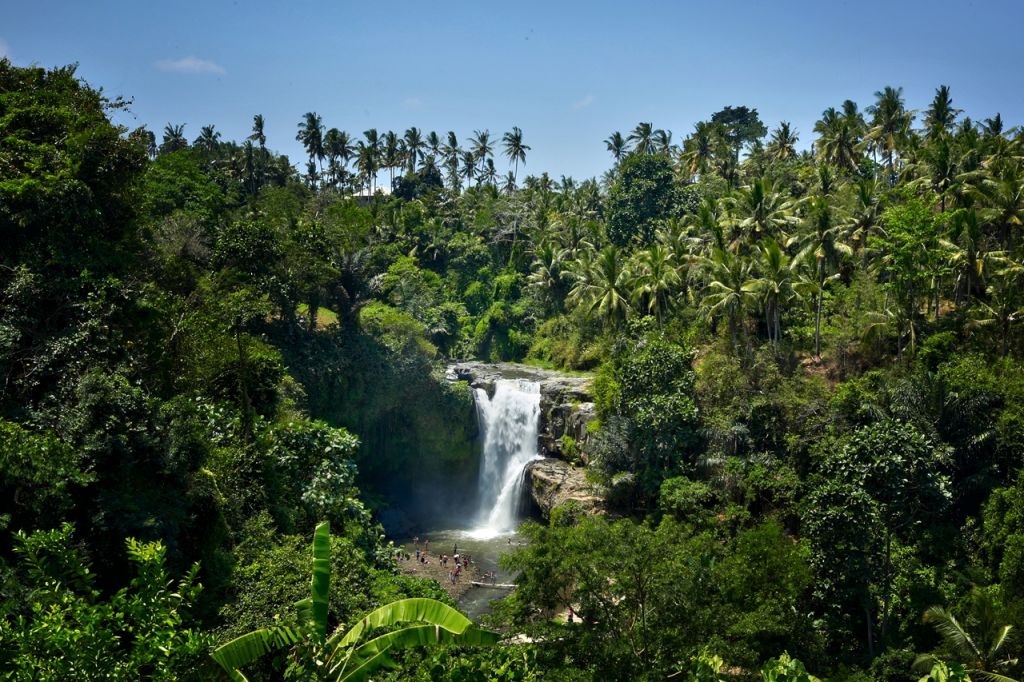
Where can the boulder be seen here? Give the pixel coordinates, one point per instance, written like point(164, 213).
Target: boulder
point(553, 482)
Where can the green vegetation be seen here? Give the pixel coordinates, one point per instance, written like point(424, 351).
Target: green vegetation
point(808, 385)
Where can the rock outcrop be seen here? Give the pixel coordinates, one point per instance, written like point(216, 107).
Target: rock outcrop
point(554, 482)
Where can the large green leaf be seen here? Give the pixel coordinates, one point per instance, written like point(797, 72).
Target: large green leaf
point(320, 585)
point(417, 610)
point(244, 650)
point(441, 624)
point(375, 653)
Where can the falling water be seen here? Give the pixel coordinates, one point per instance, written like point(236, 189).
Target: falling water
point(509, 422)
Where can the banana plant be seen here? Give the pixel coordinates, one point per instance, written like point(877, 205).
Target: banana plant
point(346, 656)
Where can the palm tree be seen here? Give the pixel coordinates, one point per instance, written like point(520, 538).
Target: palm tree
point(258, 135)
point(890, 125)
point(864, 217)
point(338, 147)
point(481, 147)
point(777, 283)
point(510, 184)
point(370, 156)
point(490, 174)
point(468, 167)
point(391, 155)
point(655, 279)
point(838, 138)
point(727, 292)
point(515, 150)
point(174, 139)
point(548, 275)
point(983, 651)
point(348, 655)
point(434, 144)
point(662, 142)
point(822, 241)
point(700, 148)
point(642, 138)
point(940, 116)
point(207, 141)
point(967, 253)
point(1004, 194)
point(762, 210)
point(601, 286)
point(1003, 308)
point(782, 146)
point(414, 148)
point(311, 135)
point(616, 145)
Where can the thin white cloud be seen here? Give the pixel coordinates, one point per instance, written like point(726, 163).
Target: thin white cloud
point(584, 103)
point(5, 49)
point(190, 65)
point(412, 103)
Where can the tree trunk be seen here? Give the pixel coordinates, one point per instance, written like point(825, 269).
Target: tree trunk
point(817, 321)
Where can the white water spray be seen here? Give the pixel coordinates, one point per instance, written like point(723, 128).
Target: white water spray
point(509, 422)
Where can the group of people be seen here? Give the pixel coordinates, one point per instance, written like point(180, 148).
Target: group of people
point(458, 561)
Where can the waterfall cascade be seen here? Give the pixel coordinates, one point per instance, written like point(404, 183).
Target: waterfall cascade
point(509, 422)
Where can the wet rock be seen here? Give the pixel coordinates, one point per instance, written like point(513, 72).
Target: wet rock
point(554, 482)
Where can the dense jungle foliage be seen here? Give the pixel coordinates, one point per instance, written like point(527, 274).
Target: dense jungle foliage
point(807, 367)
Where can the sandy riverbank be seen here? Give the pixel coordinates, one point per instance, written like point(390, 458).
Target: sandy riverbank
point(433, 569)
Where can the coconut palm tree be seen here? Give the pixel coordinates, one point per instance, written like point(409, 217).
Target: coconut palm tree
point(777, 283)
point(980, 643)
point(724, 295)
point(701, 148)
point(392, 154)
point(654, 281)
point(433, 143)
point(761, 210)
point(347, 655)
point(548, 275)
point(838, 138)
point(370, 154)
point(482, 147)
point(642, 138)
point(515, 150)
point(601, 286)
point(208, 141)
point(782, 146)
point(940, 116)
point(311, 135)
point(414, 148)
point(468, 167)
point(338, 147)
point(890, 125)
point(258, 135)
point(662, 142)
point(967, 254)
point(174, 139)
point(616, 145)
point(864, 217)
point(821, 244)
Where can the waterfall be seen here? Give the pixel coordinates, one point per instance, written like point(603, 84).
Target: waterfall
point(509, 424)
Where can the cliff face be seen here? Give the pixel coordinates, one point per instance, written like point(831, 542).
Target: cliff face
point(566, 407)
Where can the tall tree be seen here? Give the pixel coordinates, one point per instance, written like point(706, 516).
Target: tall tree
point(515, 150)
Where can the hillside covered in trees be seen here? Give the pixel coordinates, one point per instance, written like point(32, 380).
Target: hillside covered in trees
point(810, 396)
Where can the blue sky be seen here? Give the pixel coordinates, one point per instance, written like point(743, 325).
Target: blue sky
point(567, 73)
